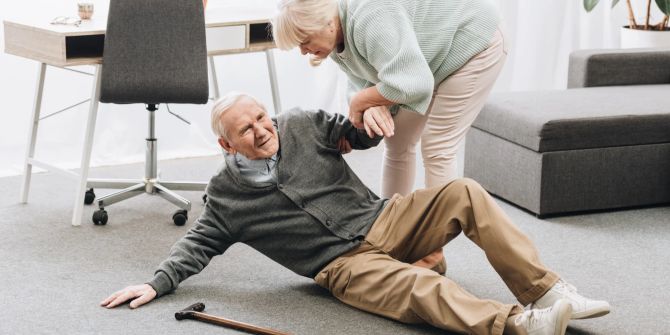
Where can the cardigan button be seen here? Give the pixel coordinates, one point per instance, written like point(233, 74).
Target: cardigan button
point(329, 222)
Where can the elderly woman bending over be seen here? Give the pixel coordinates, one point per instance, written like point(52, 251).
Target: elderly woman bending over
point(417, 69)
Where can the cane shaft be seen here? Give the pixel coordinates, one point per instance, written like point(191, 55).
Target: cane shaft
point(236, 324)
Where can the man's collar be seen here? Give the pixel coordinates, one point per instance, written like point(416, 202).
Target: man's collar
point(254, 163)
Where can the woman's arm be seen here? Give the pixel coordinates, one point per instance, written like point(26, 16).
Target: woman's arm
point(371, 104)
point(385, 38)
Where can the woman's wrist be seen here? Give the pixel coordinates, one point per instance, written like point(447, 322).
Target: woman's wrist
point(370, 97)
point(367, 98)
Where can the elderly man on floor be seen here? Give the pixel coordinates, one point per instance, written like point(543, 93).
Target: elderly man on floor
point(286, 191)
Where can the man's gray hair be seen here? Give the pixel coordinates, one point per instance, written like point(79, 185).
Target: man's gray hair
point(222, 105)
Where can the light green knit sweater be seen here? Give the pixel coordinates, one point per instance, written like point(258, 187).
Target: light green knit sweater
point(407, 47)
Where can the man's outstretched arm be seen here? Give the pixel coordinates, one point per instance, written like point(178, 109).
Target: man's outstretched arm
point(188, 256)
point(334, 127)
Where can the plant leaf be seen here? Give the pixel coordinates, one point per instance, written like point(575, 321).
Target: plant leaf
point(590, 4)
point(664, 6)
point(614, 2)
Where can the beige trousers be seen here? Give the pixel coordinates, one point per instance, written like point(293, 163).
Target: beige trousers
point(455, 105)
point(377, 276)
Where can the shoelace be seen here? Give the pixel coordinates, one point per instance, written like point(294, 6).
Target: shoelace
point(532, 317)
point(564, 285)
point(569, 292)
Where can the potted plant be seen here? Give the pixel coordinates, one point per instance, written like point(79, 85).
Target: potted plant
point(643, 34)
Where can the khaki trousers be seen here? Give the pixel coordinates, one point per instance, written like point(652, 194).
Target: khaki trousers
point(377, 276)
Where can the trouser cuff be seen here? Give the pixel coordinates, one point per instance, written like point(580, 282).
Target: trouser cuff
point(537, 291)
point(501, 318)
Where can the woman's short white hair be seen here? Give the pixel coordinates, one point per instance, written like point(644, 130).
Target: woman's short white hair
point(296, 19)
point(222, 105)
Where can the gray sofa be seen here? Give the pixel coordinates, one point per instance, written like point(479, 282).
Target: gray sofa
point(603, 143)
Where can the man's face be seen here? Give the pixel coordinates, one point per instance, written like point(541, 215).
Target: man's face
point(249, 130)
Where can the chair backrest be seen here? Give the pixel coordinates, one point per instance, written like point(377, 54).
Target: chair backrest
point(155, 52)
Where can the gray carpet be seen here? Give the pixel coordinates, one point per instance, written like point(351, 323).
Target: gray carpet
point(54, 275)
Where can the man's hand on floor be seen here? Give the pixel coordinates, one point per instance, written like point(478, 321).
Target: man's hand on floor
point(144, 293)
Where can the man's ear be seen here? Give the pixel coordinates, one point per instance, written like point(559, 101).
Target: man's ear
point(226, 145)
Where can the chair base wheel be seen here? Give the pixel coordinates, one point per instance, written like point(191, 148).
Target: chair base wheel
point(89, 197)
point(180, 217)
point(100, 217)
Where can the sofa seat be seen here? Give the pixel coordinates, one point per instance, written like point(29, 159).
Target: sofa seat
point(580, 149)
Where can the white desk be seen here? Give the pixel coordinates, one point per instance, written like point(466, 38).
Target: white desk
point(229, 31)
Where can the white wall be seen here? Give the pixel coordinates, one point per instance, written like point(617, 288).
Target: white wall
point(541, 34)
point(121, 129)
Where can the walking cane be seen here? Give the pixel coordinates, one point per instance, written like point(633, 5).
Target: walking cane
point(194, 312)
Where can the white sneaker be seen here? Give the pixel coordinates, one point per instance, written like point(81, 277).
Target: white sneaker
point(582, 308)
point(547, 321)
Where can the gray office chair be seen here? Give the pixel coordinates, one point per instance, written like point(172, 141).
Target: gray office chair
point(154, 53)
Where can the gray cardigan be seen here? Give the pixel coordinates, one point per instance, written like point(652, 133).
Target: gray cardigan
point(317, 210)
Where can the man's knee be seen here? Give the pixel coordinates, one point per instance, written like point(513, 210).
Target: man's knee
point(465, 184)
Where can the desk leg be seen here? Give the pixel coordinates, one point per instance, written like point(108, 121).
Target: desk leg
point(273, 80)
point(32, 136)
point(88, 146)
point(215, 81)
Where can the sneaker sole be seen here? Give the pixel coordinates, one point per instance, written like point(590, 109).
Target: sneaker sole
point(590, 314)
point(565, 312)
point(594, 313)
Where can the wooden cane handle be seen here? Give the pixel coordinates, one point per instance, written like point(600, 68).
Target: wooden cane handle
point(235, 324)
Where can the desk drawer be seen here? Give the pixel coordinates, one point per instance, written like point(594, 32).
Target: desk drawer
point(24, 41)
point(226, 38)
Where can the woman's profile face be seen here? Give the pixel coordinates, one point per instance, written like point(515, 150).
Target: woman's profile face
point(321, 43)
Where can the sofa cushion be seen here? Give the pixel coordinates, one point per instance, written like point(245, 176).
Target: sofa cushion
point(580, 118)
